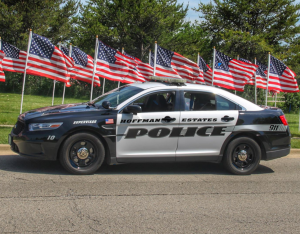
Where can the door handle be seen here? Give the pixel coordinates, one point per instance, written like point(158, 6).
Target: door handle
point(226, 118)
point(168, 119)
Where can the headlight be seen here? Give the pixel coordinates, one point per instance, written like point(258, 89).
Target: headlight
point(43, 126)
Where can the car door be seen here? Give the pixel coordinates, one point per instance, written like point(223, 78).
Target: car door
point(147, 136)
point(206, 121)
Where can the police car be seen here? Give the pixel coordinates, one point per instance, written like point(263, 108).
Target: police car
point(164, 121)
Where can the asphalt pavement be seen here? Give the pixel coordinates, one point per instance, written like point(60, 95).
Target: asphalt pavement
point(40, 197)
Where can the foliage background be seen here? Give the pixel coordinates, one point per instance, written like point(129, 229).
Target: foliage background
point(248, 28)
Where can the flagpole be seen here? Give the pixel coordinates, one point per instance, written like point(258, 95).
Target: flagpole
point(213, 70)
point(64, 91)
point(24, 77)
point(275, 98)
point(155, 56)
point(103, 86)
point(255, 87)
point(238, 57)
point(54, 81)
point(94, 69)
point(149, 57)
point(122, 53)
point(269, 64)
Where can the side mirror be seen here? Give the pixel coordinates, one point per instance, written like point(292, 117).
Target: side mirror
point(133, 109)
point(106, 104)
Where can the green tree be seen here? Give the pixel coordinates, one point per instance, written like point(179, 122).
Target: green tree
point(132, 24)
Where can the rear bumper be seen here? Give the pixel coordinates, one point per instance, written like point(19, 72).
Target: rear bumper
point(277, 154)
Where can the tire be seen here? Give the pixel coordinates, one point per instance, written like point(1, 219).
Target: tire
point(82, 154)
point(242, 156)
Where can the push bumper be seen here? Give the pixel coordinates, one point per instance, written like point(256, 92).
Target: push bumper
point(277, 154)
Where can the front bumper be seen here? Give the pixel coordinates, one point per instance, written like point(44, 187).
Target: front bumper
point(277, 153)
point(33, 148)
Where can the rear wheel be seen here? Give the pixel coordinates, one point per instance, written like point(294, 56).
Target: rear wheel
point(82, 154)
point(242, 156)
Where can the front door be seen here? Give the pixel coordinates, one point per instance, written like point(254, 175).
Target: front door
point(206, 121)
point(148, 135)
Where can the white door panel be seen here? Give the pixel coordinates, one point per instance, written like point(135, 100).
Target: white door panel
point(204, 132)
point(146, 135)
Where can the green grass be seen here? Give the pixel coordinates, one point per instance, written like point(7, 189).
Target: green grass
point(4, 135)
point(10, 105)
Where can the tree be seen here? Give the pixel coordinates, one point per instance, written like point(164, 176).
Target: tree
point(250, 27)
point(133, 24)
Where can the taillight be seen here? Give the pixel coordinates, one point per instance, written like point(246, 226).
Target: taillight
point(283, 120)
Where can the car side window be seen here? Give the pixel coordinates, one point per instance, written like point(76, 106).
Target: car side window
point(157, 102)
point(199, 101)
point(224, 104)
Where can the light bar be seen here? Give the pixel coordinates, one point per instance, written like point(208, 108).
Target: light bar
point(167, 79)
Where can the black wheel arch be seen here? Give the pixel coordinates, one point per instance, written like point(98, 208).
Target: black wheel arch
point(85, 129)
point(252, 135)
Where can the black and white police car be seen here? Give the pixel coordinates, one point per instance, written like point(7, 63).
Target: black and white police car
point(154, 122)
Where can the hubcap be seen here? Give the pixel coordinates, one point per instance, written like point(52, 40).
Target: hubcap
point(242, 155)
point(82, 153)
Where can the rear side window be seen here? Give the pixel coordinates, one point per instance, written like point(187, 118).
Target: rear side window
point(202, 101)
point(224, 104)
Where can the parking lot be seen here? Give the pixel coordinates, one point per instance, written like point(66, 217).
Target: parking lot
point(40, 197)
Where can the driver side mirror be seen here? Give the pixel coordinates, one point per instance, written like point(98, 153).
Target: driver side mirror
point(106, 104)
point(134, 109)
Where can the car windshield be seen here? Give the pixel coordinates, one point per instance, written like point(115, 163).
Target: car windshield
point(118, 95)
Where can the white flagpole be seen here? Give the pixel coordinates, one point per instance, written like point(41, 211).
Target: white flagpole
point(122, 53)
point(155, 56)
point(103, 86)
point(238, 57)
point(269, 64)
point(214, 61)
point(275, 99)
point(24, 77)
point(54, 81)
point(255, 87)
point(95, 64)
point(64, 91)
point(149, 57)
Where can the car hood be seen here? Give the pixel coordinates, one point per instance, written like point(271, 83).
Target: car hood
point(54, 110)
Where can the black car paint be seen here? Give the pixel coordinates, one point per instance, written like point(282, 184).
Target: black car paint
point(37, 145)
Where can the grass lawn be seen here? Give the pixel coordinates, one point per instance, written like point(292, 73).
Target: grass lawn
point(10, 109)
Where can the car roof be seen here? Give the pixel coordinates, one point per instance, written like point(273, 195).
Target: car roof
point(204, 88)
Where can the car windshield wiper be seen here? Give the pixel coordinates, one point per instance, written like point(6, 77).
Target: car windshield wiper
point(91, 104)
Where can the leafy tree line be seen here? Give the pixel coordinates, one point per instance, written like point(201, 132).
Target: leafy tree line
point(248, 28)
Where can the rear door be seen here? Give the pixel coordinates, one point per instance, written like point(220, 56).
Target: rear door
point(148, 135)
point(206, 121)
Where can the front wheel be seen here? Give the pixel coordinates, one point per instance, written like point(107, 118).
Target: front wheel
point(242, 156)
point(82, 154)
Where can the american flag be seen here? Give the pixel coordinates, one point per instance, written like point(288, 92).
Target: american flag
point(46, 60)
point(231, 73)
point(252, 79)
point(144, 70)
point(281, 78)
point(14, 60)
point(109, 121)
point(205, 71)
point(2, 75)
point(83, 66)
point(172, 64)
point(110, 65)
point(261, 77)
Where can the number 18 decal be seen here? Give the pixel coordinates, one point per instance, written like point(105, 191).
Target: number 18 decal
point(51, 137)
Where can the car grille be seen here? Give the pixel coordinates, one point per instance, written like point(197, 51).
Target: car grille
point(18, 127)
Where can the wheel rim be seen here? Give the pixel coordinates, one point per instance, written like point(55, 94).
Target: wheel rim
point(82, 154)
point(243, 156)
